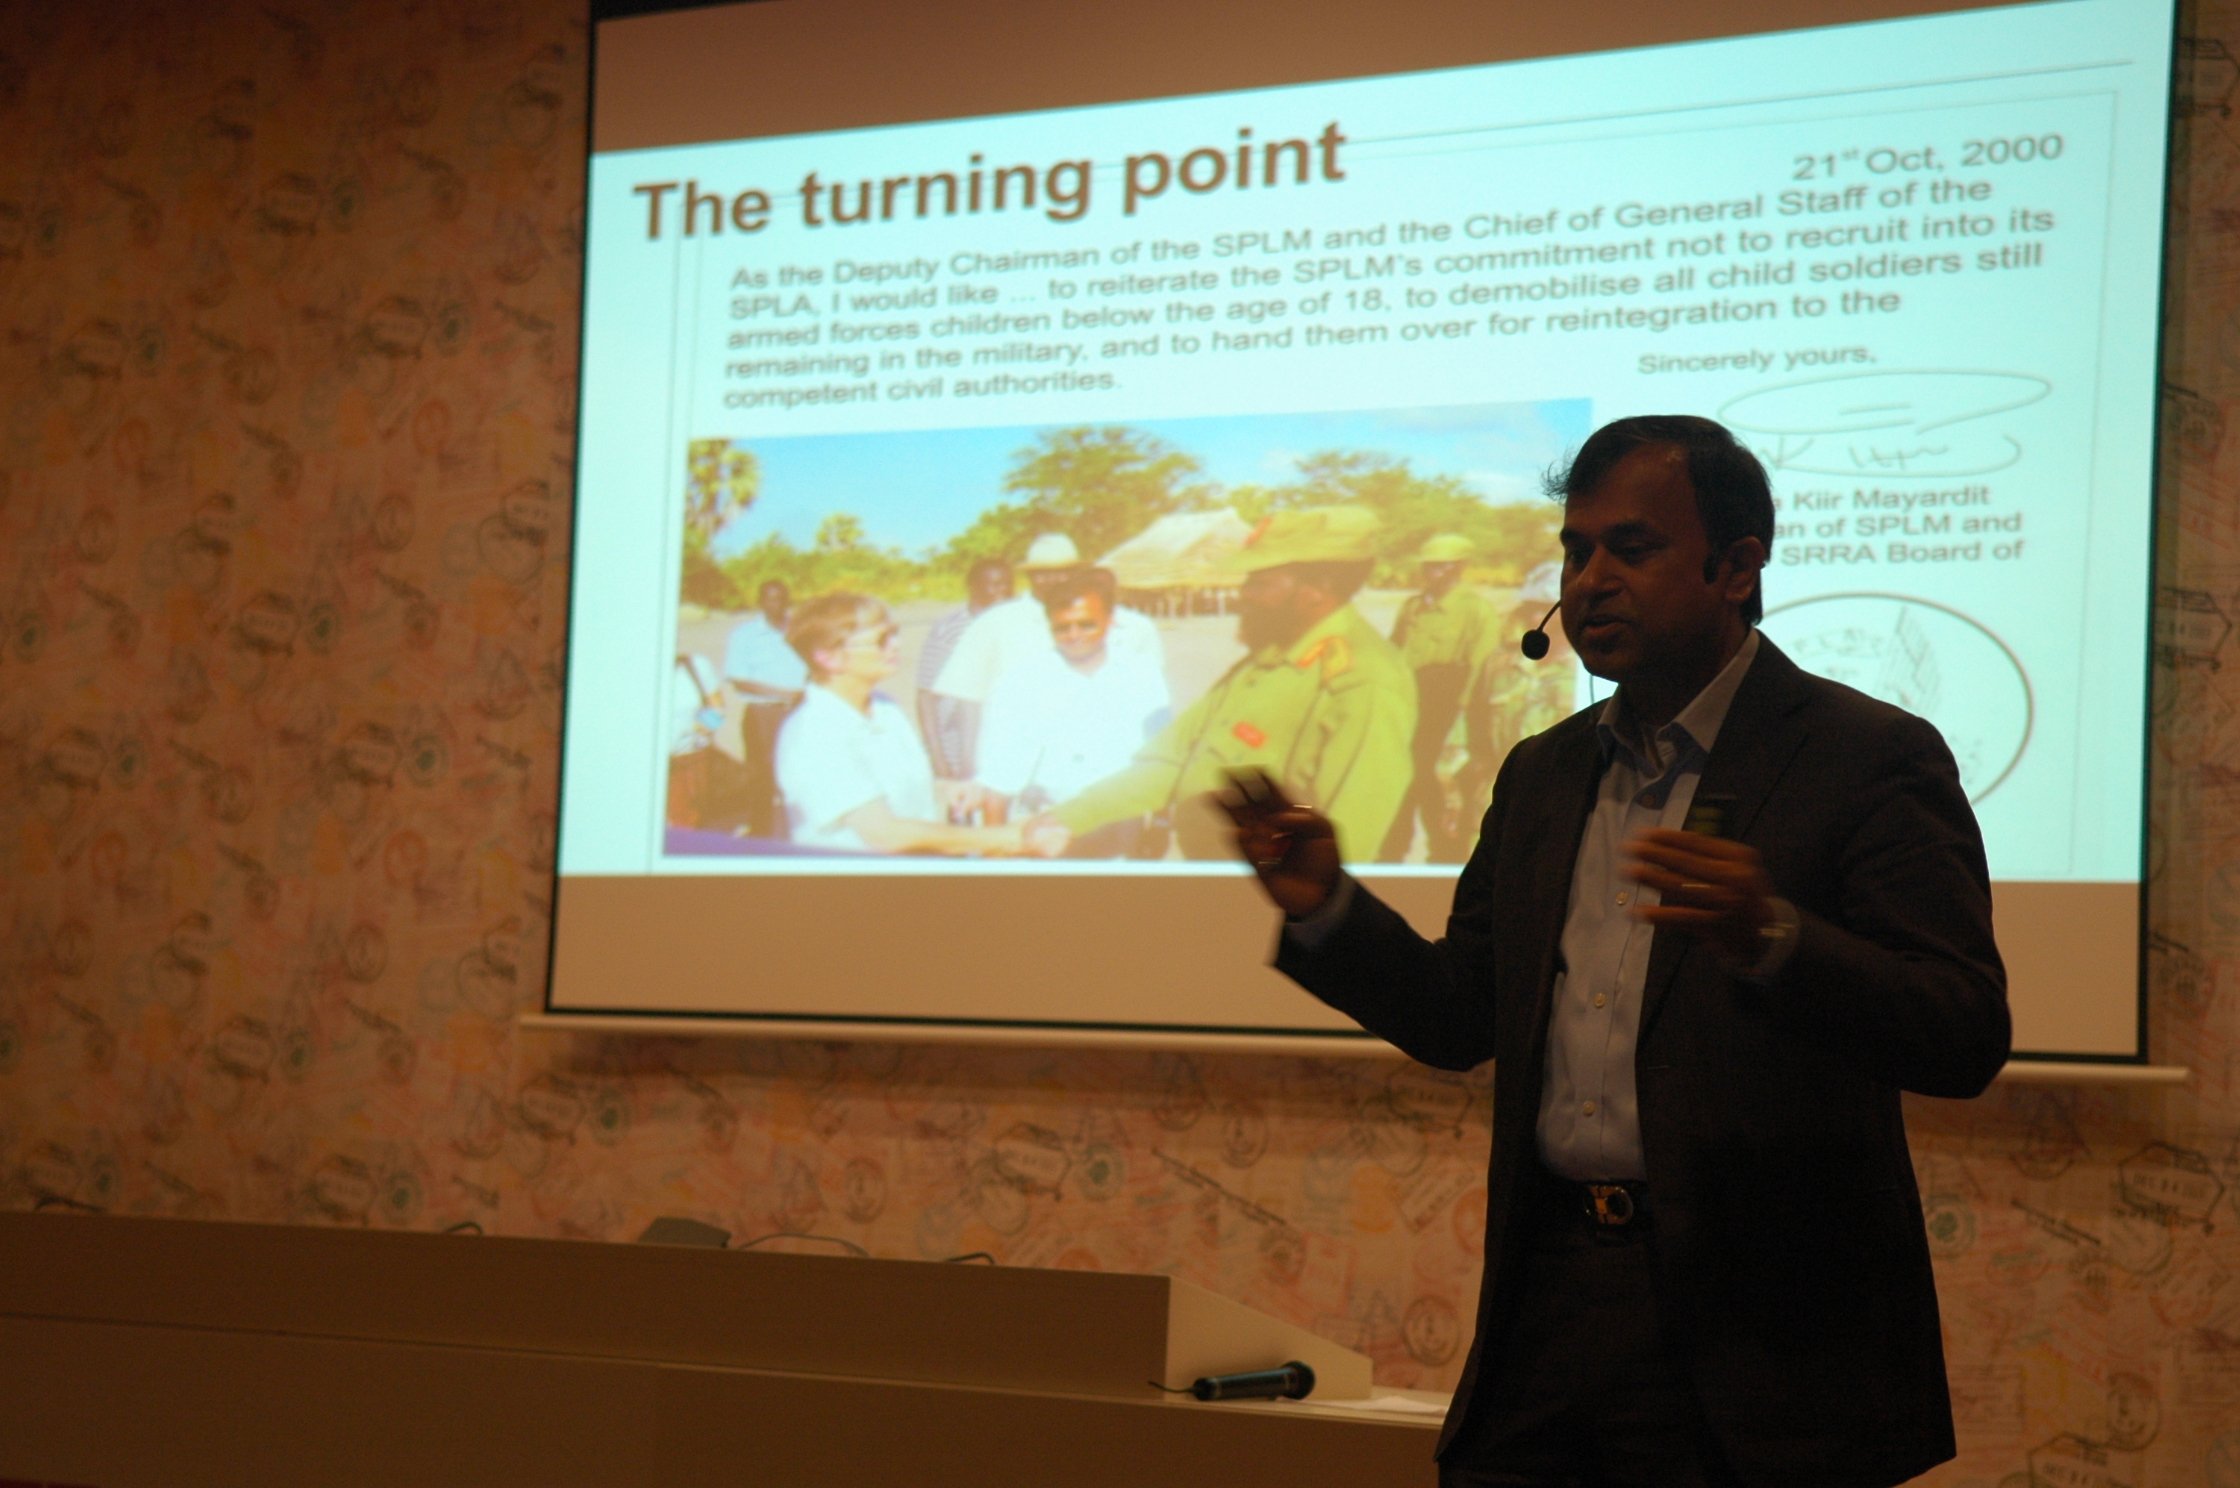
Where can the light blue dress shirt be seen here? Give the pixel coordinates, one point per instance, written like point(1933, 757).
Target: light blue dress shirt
point(1590, 1126)
point(756, 651)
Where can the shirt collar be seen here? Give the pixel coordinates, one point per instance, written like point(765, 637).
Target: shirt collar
point(823, 699)
point(1696, 728)
point(819, 698)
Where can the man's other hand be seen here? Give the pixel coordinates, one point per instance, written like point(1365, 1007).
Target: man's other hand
point(1710, 886)
point(1293, 849)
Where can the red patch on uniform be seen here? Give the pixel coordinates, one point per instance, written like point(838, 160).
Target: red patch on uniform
point(1252, 737)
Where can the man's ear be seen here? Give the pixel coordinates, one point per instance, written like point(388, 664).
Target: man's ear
point(1738, 569)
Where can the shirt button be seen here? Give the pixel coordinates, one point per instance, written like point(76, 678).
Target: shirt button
point(1599, 999)
point(1589, 1108)
point(1621, 898)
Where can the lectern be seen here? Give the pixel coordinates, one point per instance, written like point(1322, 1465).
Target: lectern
point(173, 1352)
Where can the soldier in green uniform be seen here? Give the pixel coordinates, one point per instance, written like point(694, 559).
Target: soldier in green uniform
point(1445, 633)
point(1511, 697)
point(1320, 701)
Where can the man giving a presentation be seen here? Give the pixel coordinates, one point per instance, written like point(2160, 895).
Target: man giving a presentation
point(1711, 930)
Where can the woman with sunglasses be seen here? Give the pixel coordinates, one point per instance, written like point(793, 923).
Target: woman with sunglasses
point(853, 772)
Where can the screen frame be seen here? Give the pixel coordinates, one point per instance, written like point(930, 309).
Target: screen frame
point(1292, 1039)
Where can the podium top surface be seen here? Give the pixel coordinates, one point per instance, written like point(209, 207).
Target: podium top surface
point(1077, 1332)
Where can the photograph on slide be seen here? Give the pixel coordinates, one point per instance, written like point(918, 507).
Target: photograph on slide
point(1040, 643)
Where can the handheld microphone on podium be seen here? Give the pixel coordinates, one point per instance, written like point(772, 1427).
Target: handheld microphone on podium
point(1294, 1381)
point(1534, 644)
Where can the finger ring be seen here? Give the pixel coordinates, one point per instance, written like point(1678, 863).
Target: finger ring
point(1694, 887)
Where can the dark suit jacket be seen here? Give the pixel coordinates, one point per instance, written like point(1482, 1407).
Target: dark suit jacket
point(1788, 1254)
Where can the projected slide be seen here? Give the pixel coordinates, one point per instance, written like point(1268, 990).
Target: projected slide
point(1055, 634)
point(960, 498)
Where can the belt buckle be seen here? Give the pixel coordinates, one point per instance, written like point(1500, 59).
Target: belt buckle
point(1610, 1205)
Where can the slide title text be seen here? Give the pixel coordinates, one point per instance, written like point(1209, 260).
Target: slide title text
point(1061, 191)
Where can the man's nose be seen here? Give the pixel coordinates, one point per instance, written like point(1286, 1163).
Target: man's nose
point(1597, 574)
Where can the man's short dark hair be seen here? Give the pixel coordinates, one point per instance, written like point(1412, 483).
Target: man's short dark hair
point(1075, 583)
point(1733, 497)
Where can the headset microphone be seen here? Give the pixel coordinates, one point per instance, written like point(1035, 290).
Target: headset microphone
point(1534, 644)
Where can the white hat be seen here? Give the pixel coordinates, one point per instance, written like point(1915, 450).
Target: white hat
point(1051, 550)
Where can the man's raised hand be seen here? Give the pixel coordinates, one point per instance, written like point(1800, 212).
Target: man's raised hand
point(1292, 848)
point(1714, 887)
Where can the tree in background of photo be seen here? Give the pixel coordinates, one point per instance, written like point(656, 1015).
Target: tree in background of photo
point(721, 481)
point(840, 557)
point(1510, 538)
point(1098, 486)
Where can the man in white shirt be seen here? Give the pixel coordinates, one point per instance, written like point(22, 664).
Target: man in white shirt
point(1008, 633)
point(757, 662)
point(1061, 720)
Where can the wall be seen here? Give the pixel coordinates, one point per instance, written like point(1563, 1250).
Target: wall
point(287, 341)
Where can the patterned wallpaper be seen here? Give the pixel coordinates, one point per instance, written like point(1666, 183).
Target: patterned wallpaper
point(287, 341)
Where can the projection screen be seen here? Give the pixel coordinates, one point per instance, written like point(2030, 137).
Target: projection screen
point(947, 376)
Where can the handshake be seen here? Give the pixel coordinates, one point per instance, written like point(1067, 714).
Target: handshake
point(985, 814)
point(1044, 836)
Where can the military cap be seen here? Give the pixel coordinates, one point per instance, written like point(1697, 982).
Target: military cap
point(1315, 534)
point(1447, 547)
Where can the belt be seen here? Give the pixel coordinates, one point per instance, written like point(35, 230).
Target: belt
point(1613, 1207)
